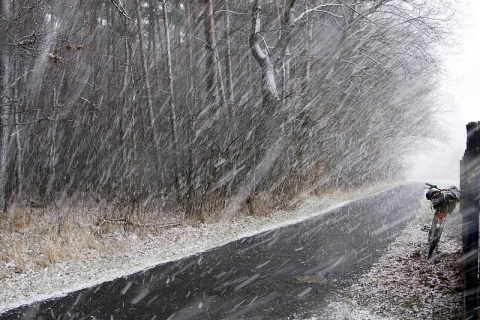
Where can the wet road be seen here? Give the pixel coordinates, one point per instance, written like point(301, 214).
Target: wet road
point(279, 274)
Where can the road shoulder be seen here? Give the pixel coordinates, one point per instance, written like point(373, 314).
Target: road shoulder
point(403, 284)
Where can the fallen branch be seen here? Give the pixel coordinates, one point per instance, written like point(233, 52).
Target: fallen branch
point(134, 224)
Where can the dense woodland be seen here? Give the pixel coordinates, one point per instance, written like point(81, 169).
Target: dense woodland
point(194, 105)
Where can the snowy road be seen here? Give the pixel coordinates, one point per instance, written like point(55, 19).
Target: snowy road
point(279, 274)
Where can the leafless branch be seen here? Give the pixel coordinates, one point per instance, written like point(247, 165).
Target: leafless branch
point(121, 8)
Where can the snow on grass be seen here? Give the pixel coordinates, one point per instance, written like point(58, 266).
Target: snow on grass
point(402, 284)
point(124, 254)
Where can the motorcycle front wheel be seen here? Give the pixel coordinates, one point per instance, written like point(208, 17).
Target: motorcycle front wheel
point(434, 234)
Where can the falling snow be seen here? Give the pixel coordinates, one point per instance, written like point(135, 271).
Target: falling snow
point(93, 267)
point(401, 283)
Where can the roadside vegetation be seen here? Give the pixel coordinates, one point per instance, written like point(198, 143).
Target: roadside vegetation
point(199, 109)
point(124, 119)
point(30, 244)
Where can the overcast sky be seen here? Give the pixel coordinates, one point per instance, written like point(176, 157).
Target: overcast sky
point(461, 92)
point(464, 66)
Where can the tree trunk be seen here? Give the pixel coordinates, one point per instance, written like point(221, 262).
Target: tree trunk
point(146, 77)
point(269, 87)
point(228, 53)
point(188, 44)
point(210, 63)
point(18, 142)
point(188, 172)
point(171, 100)
point(4, 108)
point(308, 54)
point(52, 130)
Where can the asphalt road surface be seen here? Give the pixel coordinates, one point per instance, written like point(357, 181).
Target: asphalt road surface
point(279, 274)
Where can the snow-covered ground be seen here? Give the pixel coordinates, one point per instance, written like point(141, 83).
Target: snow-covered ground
point(385, 285)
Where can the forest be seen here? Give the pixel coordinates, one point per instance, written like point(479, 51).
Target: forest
point(202, 107)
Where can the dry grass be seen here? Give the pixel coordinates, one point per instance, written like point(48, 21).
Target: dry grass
point(36, 237)
point(31, 238)
point(260, 205)
point(89, 250)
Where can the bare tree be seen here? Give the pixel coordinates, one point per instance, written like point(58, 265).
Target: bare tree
point(228, 52)
point(5, 103)
point(188, 43)
point(146, 78)
point(112, 106)
point(171, 99)
point(210, 65)
point(215, 90)
point(269, 87)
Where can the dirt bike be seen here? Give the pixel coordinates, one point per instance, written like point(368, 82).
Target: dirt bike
point(443, 201)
